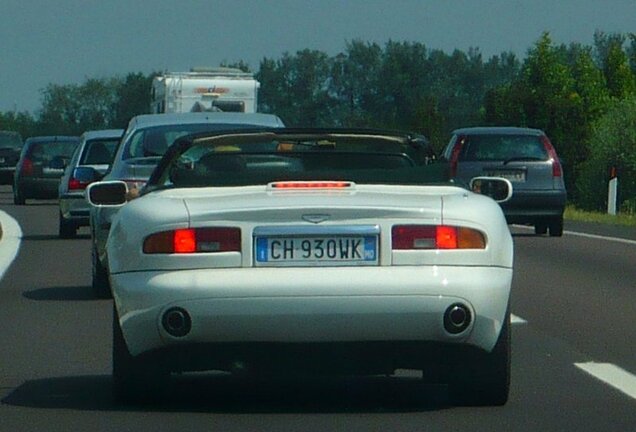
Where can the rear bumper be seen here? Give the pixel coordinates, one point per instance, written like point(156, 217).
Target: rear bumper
point(74, 207)
point(249, 307)
point(530, 206)
point(39, 188)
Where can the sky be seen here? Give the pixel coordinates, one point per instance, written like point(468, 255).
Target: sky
point(67, 41)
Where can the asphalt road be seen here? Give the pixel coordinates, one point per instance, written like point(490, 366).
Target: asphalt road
point(573, 298)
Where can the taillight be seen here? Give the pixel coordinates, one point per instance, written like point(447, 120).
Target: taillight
point(311, 185)
point(194, 240)
point(556, 164)
point(454, 158)
point(27, 167)
point(410, 237)
point(75, 184)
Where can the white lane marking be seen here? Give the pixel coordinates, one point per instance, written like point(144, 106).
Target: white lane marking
point(599, 237)
point(514, 319)
point(592, 236)
point(611, 374)
point(11, 235)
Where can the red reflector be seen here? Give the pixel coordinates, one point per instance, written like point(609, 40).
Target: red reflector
point(311, 185)
point(184, 241)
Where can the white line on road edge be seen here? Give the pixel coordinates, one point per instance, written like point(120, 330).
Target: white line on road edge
point(599, 237)
point(514, 319)
point(10, 244)
point(612, 375)
point(592, 236)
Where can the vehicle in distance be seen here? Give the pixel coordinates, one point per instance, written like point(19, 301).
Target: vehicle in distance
point(40, 167)
point(10, 147)
point(90, 161)
point(144, 142)
point(313, 251)
point(205, 89)
point(524, 156)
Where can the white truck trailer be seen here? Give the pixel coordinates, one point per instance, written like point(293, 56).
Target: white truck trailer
point(204, 89)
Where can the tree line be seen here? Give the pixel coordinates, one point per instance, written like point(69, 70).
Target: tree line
point(583, 97)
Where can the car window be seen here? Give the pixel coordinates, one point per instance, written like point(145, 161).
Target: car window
point(502, 147)
point(99, 151)
point(10, 140)
point(236, 162)
point(46, 151)
point(154, 141)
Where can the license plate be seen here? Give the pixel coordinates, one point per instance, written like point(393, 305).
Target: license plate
point(317, 251)
point(513, 176)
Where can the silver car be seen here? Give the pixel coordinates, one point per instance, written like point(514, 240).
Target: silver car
point(89, 163)
point(144, 142)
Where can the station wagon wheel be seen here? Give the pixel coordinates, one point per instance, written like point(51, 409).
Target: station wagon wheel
point(67, 229)
point(18, 198)
point(483, 379)
point(134, 380)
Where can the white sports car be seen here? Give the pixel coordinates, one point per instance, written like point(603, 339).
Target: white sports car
point(318, 251)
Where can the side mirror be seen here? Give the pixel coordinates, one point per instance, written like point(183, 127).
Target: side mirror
point(107, 193)
point(497, 188)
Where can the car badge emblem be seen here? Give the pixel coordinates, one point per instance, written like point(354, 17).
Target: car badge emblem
point(316, 218)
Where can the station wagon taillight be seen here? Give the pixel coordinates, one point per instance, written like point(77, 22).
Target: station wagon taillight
point(27, 167)
point(75, 184)
point(414, 237)
point(194, 240)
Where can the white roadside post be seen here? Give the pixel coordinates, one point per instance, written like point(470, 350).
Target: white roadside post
point(612, 191)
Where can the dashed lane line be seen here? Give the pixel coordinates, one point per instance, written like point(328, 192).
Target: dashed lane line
point(613, 375)
point(514, 319)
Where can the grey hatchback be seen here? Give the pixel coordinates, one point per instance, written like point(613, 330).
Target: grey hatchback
point(42, 162)
point(524, 156)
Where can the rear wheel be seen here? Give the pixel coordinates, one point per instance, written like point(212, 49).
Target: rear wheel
point(101, 284)
point(540, 228)
point(556, 227)
point(67, 229)
point(483, 379)
point(134, 380)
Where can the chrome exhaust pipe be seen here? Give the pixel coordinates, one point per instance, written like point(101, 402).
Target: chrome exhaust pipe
point(457, 318)
point(177, 322)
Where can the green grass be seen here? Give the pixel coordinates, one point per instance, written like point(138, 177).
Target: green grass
point(572, 213)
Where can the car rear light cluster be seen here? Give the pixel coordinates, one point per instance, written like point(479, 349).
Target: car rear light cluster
point(454, 158)
point(27, 167)
point(556, 164)
point(194, 240)
point(410, 237)
point(76, 184)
